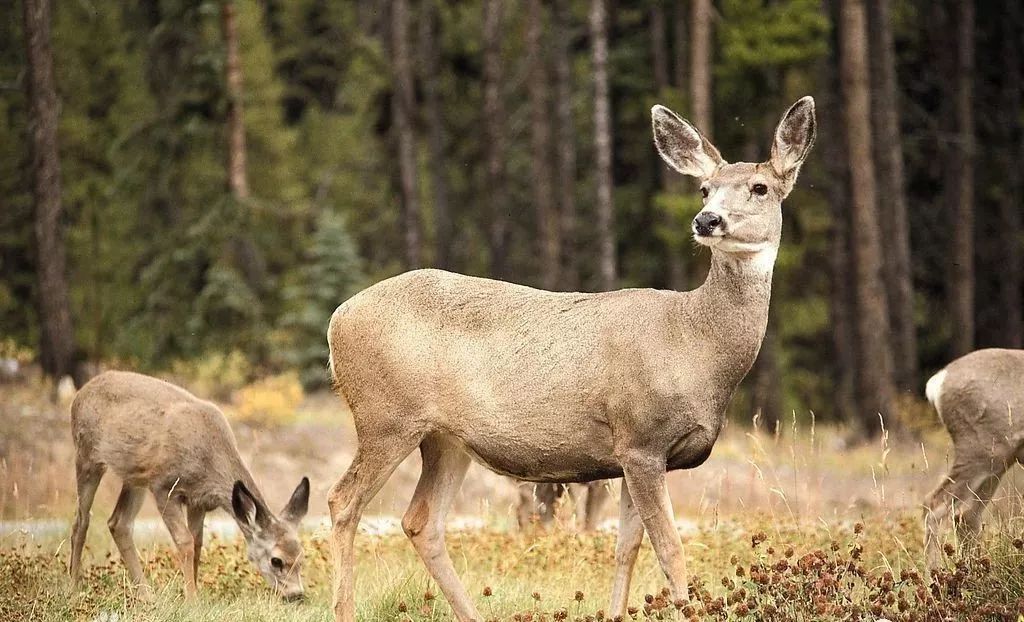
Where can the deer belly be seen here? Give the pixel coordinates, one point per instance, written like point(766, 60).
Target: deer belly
point(546, 459)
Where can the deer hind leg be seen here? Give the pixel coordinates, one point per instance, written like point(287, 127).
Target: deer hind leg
point(960, 500)
point(88, 476)
point(631, 534)
point(372, 466)
point(444, 467)
point(121, 525)
point(196, 516)
point(172, 511)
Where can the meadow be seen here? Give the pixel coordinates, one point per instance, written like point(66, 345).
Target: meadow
point(793, 524)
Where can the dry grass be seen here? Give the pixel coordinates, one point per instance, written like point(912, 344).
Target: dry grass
point(770, 525)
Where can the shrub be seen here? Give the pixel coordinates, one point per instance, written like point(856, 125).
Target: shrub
point(215, 375)
point(271, 401)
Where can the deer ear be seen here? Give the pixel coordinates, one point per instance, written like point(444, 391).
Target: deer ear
point(247, 510)
point(682, 146)
point(793, 139)
point(298, 505)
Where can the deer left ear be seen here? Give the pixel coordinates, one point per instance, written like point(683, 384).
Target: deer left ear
point(793, 140)
point(298, 505)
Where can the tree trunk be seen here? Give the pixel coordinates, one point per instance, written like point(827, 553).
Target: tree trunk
point(700, 65)
point(540, 141)
point(874, 361)
point(679, 16)
point(603, 146)
point(667, 181)
point(494, 136)
point(961, 283)
point(891, 185)
point(238, 178)
point(565, 138)
point(402, 112)
point(57, 349)
point(842, 306)
point(431, 55)
point(1010, 279)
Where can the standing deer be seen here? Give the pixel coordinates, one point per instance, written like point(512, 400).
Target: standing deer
point(980, 399)
point(562, 387)
point(157, 436)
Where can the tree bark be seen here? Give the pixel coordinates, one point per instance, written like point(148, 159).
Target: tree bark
point(1011, 281)
point(57, 349)
point(494, 136)
point(679, 16)
point(603, 146)
point(238, 178)
point(431, 55)
point(540, 141)
point(961, 283)
point(842, 306)
point(700, 65)
point(891, 185)
point(565, 138)
point(402, 112)
point(874, 360)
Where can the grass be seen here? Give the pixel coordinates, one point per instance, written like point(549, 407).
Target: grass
point(743, 569)
point(792, 525)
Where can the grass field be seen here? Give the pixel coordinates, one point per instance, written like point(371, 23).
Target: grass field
point(797, 525)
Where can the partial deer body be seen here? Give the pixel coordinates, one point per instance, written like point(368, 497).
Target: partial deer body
point(158, 437)
point(562, 387)
point(980, 399)
point(539, 502)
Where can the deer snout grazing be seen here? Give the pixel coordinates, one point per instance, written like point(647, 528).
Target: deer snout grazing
point(706, 223)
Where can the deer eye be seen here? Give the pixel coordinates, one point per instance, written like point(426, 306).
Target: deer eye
point(704, 191)
point(277, 563)
point(760, 189)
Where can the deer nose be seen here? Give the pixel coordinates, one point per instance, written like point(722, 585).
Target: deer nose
point(706, 222)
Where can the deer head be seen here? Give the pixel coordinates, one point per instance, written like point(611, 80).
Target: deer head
point(272, 542)
point(742, 213)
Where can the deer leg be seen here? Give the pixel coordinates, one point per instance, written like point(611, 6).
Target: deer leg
point(444, 467)
point(597, 496)
point(88, 476)
point(631, 534)
point(961, 499)
point(121, 525)
point(196, 516)
point(645, 478)
point(369, 470)
point(172, 511)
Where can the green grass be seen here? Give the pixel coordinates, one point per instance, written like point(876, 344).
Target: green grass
point(756, 569)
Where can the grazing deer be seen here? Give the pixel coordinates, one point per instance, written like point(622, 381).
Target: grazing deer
point(540, 501)
point(980, 400)
point(562, 387)
point(159, 437)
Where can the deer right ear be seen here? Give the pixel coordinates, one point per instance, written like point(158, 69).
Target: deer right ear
point(246, 508)
point(682, 146)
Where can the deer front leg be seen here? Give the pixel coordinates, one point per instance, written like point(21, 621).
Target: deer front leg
point(196, 517)
point(171, 510)
point(645, 478)
point(631, 534)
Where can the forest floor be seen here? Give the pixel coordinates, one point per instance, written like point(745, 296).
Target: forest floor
point(799, 525)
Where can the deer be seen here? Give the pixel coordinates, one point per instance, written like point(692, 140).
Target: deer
point(979, 398)
point(540, 501)
point(562, 387)
point(159, 437)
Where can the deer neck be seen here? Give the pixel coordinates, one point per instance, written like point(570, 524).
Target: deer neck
point(222, 482)
point(731, 307)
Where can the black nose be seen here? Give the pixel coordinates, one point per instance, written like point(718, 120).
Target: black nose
point(705, 222)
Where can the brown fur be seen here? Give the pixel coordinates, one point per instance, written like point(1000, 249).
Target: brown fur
point(156, 436)
point(560, 387)
point(980, 399)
